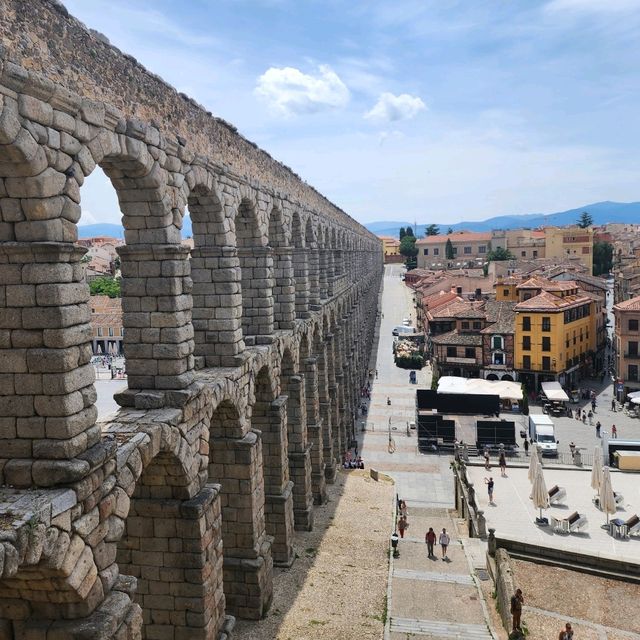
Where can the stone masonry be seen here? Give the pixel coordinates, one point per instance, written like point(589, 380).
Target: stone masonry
point(244, 355)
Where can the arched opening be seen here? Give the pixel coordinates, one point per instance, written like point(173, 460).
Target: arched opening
point(298, 448)
point(313, 266)
point(217, 298)
point(164, 545)
point(300, 267)
point(269, 415)
point(235, 455)
point(492, 376)
point(256, 265)
point(284, 291)
point(507, 377)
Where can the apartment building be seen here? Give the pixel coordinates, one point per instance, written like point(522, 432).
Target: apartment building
point(555, 332)
point(627, 341)
point(570, 243)
point(107, 326)
point(467, 247)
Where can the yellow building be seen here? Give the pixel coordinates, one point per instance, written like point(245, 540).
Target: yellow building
point(390, 246)
point(572, 243)
point(555, 333)
point(507, 288)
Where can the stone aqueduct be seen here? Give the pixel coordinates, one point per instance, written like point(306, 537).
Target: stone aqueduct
point(244, 356)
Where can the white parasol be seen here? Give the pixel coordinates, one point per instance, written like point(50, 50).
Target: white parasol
point(539, 493)
point(596, 471)
point(534, 464)
point(607, 499)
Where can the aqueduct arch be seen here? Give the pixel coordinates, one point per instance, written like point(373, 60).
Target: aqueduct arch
point(244, 355)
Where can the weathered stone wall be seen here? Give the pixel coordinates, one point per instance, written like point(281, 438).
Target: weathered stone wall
point(244, 356)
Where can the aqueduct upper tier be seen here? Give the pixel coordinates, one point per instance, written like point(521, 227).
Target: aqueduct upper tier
point(245, 354)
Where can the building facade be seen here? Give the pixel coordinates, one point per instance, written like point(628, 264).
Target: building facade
point(627, 343)
point(572, 243)
point(467, 247)
point(107, 326)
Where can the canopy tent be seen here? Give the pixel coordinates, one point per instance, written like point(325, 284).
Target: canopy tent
point(539, 493)
point(635, 400)
point(596, 471)
point(633, 395)
point(477, 386)
point(534, 464)
point(607, 498)
point(554, 392)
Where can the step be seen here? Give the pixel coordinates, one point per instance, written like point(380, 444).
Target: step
point(432, 576)
point(440, 629)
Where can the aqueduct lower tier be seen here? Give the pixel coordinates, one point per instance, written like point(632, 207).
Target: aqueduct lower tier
point(244, 355)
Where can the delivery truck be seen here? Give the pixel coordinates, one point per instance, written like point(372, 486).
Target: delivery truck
point(542, 433)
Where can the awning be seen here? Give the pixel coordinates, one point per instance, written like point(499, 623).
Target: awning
point(477, 386)
point(554, 392)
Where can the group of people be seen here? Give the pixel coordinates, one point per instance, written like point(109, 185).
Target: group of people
point(443, 540)
point(353, 461)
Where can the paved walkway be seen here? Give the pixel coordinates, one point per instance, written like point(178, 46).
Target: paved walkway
point(427, 597)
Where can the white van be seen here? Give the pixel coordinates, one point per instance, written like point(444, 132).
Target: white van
point(542, 433)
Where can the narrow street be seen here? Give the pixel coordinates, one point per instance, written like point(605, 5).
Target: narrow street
point(427, 597)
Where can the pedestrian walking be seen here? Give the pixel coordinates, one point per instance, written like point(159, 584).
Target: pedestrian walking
point(376, 374)
point(516, 609)
point(572, 448)
point(526, 446)
point(403, 525)
point(430, 539)
point(593, 405)
point(584, 417)
point(598, 427)
point(487, 466)
point(490, 484)
point(614, 431)
point(503, 464)
point(444, 541)
point(403, 508)
point(613, 405)
point(566, 633)
point(590, 416)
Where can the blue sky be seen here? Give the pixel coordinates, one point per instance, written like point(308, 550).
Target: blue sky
point(437, 110)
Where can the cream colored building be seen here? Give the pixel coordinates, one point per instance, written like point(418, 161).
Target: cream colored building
point(573, 243)
point(390, 246)
point(467, 247)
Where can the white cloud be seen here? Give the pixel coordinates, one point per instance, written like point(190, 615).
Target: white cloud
point(290, 91)
point(390, 108)
point(592, 6)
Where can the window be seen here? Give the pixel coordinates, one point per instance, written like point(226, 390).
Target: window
point(467, 251)
point(633, 325)
point(497, 342)
point(111, 331)
point(535, 254)
point(566, 343)
point(526, 343)
point(425, 252)
point(436, 251)
point(99, 331)
point(465, 326)
point(546, 343)
point(482, 249)
point(505, 292)
point(526, 362)
point(469, 352)
point(452, 352)
point(477, 326)
point(546, 363)
point(633, 373)
point(546, 324)
point(523, 254)
point(526, 323)
point(121, 331)
point(455, 251)
point(633, 348)
point(586, 250)
point(498, 358)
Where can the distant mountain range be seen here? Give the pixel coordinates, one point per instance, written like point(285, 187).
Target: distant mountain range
point(601, 212)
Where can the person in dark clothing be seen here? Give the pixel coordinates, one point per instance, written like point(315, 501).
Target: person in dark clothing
point(516, 608)
point(430, 539)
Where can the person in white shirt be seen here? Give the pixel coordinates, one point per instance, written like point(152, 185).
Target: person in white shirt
point(444, 543)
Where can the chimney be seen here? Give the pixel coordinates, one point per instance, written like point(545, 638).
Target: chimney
point(459, 290)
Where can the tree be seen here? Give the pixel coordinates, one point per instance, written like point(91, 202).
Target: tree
point(498, 254)
point(408, 247)
point(432, 230)
point(410, 231)
point(585, 220)
point(448, 250)
point(403, 232)
point(105, 286)
point(602, 257)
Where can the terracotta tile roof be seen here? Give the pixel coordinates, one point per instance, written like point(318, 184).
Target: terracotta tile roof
point(546, 301)
point(456, 237)
point(538, 282)
point(502, 316)
point(438, 299)
point(455, 338)
point(449, 310)
point(633, 304)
